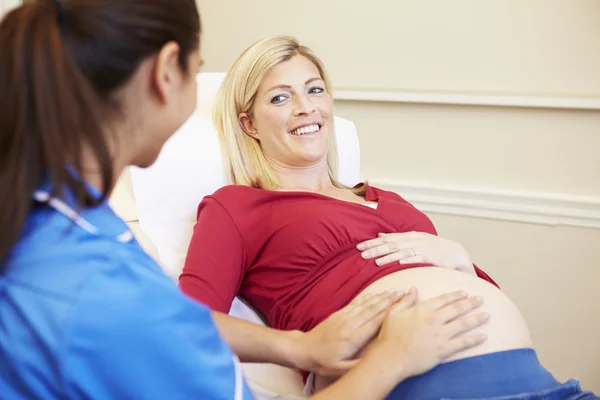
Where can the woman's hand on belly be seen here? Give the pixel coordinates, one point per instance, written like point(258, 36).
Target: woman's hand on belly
point(417, 248)
point(329, 349)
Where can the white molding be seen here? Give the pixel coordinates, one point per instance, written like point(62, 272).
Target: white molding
point(518, 206)
point(578, 103)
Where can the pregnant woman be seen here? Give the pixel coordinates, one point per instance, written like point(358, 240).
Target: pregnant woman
point(298, 245)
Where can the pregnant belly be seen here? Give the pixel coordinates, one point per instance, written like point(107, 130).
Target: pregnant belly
point(506, 330)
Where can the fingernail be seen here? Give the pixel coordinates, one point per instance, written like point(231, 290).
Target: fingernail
point(478, 299)
point(365, 254)
point(484, 316)
point(360, 246)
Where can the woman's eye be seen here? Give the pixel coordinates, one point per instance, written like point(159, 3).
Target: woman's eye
point(277, 99)
point(316, 89)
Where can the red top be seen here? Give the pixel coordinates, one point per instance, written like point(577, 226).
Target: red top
point(292, 255)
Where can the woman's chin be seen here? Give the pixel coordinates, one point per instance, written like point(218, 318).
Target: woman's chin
point(311, 156)
point(308, 161)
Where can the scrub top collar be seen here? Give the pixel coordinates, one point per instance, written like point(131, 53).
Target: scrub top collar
point(100, 220)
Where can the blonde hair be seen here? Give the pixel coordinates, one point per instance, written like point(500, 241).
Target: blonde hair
point(243, 155)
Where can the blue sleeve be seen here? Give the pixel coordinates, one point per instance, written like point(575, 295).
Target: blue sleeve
point(136, 336)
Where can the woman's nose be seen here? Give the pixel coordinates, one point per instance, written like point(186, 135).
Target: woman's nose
point(303, 106)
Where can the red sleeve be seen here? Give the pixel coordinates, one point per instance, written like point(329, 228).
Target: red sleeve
point(215, 261)
point(485, 276)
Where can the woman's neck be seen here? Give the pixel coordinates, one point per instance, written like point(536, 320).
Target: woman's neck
point(313, 178)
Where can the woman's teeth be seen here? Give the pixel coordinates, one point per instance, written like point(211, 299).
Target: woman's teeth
point(305, 130)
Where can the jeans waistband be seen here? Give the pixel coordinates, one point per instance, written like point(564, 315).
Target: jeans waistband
point(494, 375)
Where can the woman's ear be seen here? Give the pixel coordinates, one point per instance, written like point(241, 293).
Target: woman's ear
point(248, 125)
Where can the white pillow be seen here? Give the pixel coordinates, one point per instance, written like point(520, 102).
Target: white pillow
point(190, 167)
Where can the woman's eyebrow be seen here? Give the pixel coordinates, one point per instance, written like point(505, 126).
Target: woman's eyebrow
point(289, 87)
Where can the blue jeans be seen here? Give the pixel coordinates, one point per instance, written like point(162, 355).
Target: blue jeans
point(506, 375)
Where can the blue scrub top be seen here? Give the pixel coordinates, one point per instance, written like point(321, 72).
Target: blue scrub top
point(86, 313)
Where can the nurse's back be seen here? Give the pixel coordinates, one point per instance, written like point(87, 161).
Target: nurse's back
point(49, 298)
point(81, 306)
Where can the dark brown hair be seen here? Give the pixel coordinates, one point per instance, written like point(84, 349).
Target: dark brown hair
point(61, 63)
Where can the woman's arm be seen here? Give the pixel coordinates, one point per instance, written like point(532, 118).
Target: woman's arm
point(328, 349)
point(413, 340)
point(215, 263)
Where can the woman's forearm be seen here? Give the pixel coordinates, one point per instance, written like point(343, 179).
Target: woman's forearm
point(255, 343)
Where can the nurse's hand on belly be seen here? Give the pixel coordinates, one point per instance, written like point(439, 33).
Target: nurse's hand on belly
point(329, 349)
point(430, 332)
point(417, 248)
point(416, 337)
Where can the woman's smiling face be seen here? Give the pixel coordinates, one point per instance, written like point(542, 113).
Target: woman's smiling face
point(293, 114)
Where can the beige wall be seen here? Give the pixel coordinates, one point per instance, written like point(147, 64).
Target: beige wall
point(6, 5)
point(552, 275)
point(537, 52)
point(497, 46)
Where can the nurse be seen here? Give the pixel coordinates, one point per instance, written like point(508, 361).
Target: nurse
point(89, 87)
